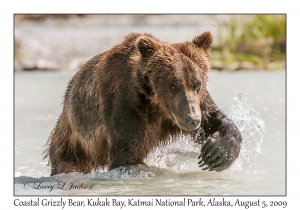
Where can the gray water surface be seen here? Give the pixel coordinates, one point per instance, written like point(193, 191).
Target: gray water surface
point(254, 100)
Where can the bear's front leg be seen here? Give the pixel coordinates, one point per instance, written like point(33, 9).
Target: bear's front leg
point(224, 139)
point(126, 134)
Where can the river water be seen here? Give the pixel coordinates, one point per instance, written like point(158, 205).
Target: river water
point(255, 100)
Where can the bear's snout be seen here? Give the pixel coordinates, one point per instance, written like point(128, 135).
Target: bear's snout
point(193, 122)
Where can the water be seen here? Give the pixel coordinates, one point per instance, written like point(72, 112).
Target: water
point(254, 100)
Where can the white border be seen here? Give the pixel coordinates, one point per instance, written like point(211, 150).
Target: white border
point(8, 8)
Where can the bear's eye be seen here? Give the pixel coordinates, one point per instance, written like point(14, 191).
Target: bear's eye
point(173, 86)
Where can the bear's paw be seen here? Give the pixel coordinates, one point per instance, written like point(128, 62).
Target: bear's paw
point(220, 151)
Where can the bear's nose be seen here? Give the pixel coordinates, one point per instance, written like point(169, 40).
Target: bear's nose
point(192, 122)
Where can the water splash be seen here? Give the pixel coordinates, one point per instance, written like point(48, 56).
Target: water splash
point(252, 129)
point(180, 155)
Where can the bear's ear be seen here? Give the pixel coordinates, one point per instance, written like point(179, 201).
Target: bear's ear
point(146, 46)
point(204, 41)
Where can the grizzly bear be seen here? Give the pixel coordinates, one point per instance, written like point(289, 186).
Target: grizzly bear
point(136, 96)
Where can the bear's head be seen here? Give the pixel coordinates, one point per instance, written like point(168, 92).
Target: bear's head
point(174, 76)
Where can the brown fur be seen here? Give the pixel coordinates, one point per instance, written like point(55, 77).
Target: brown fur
point(131, 99)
